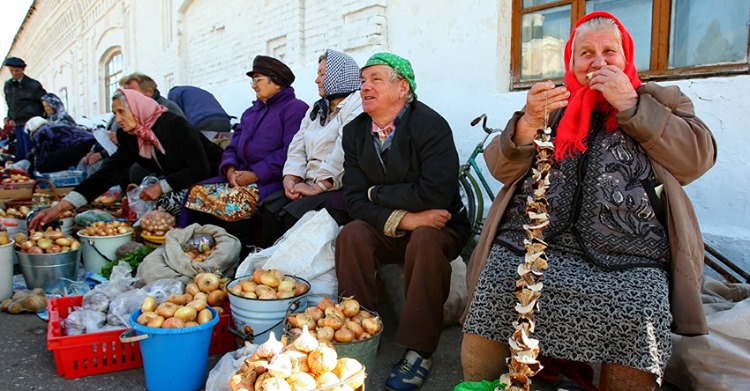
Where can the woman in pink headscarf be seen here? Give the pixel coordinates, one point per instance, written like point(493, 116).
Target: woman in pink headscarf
point(624, 266)
point(160, 141)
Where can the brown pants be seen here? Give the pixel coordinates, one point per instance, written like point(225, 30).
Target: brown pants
point(426, 254)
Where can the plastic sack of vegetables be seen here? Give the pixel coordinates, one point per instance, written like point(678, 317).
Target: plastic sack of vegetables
point(157, 222)
point(136, 204)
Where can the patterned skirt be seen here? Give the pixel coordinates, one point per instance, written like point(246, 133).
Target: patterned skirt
point(587, 313)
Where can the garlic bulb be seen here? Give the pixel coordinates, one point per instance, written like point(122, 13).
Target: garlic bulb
point(301, 381)
point(280, 366)
point(305, 343)
point(298, 360)
point(275, 384)
point(327, 379)
point(269, 348)
point(351, 369)
point(322, 360)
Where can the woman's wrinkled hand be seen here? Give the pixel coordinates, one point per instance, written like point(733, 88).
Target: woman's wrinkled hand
point(614, 84)
point(46, 216)
point(542, 99)
point(151, 193)
point(304, 189)
point(244, 178)
point(93, 157)
point(289, 182)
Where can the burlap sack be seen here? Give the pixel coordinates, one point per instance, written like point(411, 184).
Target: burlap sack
point(169, 260)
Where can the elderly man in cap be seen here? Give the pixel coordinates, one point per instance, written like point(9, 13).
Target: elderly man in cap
point(401, 188)
point(23, 95)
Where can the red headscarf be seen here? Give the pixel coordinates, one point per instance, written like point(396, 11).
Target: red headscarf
point(145, 111)
point(574, 126)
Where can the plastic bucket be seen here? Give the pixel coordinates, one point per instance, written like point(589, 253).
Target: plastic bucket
point(14, 226)
point(6, 270)
point(254, 319)
point(49, 271)
point(98, 250)
point(174, 359)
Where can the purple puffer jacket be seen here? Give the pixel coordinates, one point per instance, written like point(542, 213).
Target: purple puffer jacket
point(261, 140)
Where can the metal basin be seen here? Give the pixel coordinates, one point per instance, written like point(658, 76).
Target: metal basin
point(49, 271)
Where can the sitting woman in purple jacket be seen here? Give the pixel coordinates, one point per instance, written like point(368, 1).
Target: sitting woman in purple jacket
point(258, 149)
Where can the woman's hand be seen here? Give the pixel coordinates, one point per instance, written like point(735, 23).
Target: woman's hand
point(289, 183)
point(244, 178)
point(230, 173)
point(151, 193)
point(45, 216)
point(113, 137)
point(93, 157)
point(614, 84)
point(542, 99)
point(303, 189)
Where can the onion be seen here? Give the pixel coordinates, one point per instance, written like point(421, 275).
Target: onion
point(344, 335)
point(350, 307)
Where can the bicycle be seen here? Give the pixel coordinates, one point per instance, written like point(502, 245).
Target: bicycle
point(471, 192)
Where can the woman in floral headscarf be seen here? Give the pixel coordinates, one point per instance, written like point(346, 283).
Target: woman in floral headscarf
point(617, 254)
point(55, 112)
point(315, 160)
point(158, 140)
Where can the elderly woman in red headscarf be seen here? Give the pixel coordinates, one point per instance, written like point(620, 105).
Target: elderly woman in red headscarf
point(625, 254)
point(160, 141)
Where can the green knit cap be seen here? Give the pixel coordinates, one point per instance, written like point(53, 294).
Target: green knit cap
point(400, 64)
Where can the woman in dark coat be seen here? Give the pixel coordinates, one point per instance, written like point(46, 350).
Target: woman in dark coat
point(158, 140)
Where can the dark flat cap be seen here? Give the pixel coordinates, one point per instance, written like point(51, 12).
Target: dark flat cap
point(270, 66)
point(14, 62)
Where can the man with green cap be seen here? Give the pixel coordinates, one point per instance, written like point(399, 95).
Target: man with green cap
point(401, 188)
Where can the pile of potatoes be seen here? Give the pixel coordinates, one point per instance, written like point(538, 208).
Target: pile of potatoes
point(50, 241)
point(339, 323)
point(34, 300)
point(269, 284)
point(188, 309)
point(16, 178)
point(108, 228)
point(21, 213)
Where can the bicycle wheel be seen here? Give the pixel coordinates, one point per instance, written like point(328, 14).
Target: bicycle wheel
point(469, 190)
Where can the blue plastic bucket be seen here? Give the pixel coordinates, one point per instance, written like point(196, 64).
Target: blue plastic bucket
point(174, 359)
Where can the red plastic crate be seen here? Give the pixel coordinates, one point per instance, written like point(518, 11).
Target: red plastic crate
point(96, 353)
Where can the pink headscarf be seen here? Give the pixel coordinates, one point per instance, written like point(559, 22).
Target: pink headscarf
point(145, 111)
point(574, 126)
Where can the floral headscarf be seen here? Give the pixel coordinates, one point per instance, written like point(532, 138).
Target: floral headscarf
point(575, 123)
point(60, 115)
point(145, 111)
point(340, 80)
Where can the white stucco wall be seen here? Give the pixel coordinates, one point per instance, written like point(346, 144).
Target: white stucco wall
point(460, 51)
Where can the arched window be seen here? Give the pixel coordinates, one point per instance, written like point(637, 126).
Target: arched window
point(112, 74)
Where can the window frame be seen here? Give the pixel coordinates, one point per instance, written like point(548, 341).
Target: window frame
point(659, 46)
point(107, 76)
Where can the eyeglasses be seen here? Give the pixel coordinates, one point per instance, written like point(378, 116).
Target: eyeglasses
point(258, 78)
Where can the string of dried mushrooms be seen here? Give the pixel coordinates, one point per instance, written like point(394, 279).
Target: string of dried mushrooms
point(523, 363)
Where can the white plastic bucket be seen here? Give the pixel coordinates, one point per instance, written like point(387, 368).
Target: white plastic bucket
point(14, 226)
point(254, 319)
point(6, 270)
point(98, 250)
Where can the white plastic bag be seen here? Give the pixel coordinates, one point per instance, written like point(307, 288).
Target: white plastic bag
point(306, 250)
point(135, 203)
